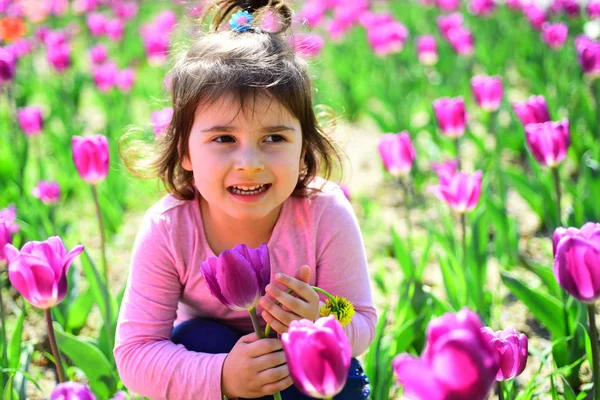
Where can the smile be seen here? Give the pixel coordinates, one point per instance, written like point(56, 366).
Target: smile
point(248, 190)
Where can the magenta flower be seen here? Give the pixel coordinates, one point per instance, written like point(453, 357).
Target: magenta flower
point(91, 156)
point(9, 214)
point(125, 79)
point(461, 40)
point(397, 152)
point(59, 56)
point(427, 51)
point(461, 192)
point(30, 120)
point(448, 5)
point(72, 391)
point(511, 347)
point(534, 14)
point(549, 141)
point(156, 44)
point(307, 45)
point(457, 363)
point(532, 111)
point(312, 12)
point(98, 54)
point(588, 55)
point(370, 19)
point(161, 120)
point(5, 237)
point(8, 64)
point(84, 6)
point(577, 261)
point(105, 75)
point(39, 270)
point(125, 10)
point(388, 38)
point(318, 356)
point(555, 34)
point(487, 91)
point(47, 191)
point(114, 29)
point(451, 116)
point(482, 7)
point(447, 22)
point(238, 277)
point(445, 170)
point(593, 9)
point(96, 23)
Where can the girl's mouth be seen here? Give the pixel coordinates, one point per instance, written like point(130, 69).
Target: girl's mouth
point(250, 192)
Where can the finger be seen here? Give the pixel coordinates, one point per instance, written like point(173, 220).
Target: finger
point(249, 338)
point(299, 306)
point(273, 375)
point(303, 273)
point(276, 325)
point(286, 317)
point(270, 360)
point(302, 289)
point(278, 386)
point(264, 346)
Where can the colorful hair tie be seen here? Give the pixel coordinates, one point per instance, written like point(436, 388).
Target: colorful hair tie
point(240, 21)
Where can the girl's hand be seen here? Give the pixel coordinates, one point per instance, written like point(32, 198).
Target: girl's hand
point(305, 305)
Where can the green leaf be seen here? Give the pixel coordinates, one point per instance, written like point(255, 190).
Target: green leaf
point(528, 191)
point(403, 256)
point(79, 311)
point(547, 309)
point(14, 348)
point(9, 392)
point(88, 357)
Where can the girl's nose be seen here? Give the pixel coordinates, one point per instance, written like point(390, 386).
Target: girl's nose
point(249, 159)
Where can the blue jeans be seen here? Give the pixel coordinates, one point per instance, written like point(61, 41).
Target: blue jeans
point(209, 336)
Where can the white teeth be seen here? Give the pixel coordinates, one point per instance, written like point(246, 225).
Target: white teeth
point(237, 190)
point(248, 187)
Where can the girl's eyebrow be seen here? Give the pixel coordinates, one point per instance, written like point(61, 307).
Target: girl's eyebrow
point(267, 129)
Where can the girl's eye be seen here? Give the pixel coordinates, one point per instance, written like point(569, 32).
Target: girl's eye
point(275, 138)
point(223, 139)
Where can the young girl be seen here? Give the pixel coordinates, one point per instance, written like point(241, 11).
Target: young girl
point(240, 162)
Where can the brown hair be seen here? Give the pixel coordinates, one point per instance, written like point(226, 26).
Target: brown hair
point(254, 62)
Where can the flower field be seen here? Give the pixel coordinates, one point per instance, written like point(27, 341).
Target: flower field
point(472, 134)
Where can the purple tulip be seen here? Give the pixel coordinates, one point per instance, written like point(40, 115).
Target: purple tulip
point(30, 120)
point(318, 356)
point(487, 91)
point(5, 237)
point(549, 141)
point(458, 362)
point(427, 51)
point(307, 45)
point(388, 38)
point(8, 64)
point(397, 152)
point(96, 23)
point(555, 34)
point(445, 170)
point(461, 192)
point(9, 214)
point(72, 391)
point(588, 55)
point(577, 261)
point(47, 191)
point(593, 9)
point(98, 54)
point(570, 7)
point(125, 79)
point(447, 22)
point(532, 111)
point(39, 270)
point(451, 116)
point(461, 40)
point(238, 277)
point(511, 347)
point(161, 120)
point(91, 156)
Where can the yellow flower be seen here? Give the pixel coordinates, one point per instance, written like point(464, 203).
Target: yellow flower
point(342, 309)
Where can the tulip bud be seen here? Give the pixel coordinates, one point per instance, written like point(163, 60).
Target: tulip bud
point(487, 91)
point(39, 270)
point(238, 277)
point(318, 356)
point(461, 40)
point(458, 362)
point(125, 79)
point(105, 75)
point(588, 55)
point(448, 5)
point(427, 51)
point(47, 191)
point(534, 14)
point(98, 54)
point(31, 120)
point(577, 261)
point(461, 192)
point(60, 57)
point(447, 22)
point(96, 23)
point(451, 116)
point(388, 38)
point(445, 170)
point(91, 155)
point(8, 65)
point(5, 237)
point(397, 153)
point(593, 9)
point(72, 391)
point(482, 8)
point(512, 349)
point(161, 120)
point(532, 111)
point(114, 29)
point(549, 141)
point(9, 214)
point(555, 34)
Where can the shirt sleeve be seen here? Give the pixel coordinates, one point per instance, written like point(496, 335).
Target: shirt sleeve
point(342, 267)
point(149, 363)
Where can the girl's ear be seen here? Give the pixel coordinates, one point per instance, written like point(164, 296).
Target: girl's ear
point(186, 163)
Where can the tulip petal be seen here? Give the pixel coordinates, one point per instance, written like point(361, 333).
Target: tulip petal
point(576, 268)
point(418, 381)
point(68, 259)
point(11, 252)
point(209, 270)
point(237, 280)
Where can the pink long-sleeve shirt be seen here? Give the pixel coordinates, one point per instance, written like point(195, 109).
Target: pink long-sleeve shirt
point(166, 287)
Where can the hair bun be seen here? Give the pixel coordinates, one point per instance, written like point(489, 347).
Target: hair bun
point(252, 5)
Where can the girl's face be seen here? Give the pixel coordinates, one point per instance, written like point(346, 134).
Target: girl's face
point(246, 162)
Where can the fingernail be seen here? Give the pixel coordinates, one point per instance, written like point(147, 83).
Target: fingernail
point(278, 275)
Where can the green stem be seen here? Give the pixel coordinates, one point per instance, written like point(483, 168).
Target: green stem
point(596, 91)
point(102, 233)
point(4, 335)
point(595, 353)
point(54, 346)
point(557, 190)
point(318, 289)
point(255, 324)
point(407, 204)
point(457, 147)
point(500, 391)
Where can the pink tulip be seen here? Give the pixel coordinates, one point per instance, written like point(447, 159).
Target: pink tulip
point(451, 116)
point(593, 9)
point(96, 23)
point(388, 38)
point(307, 45)
point(312, 12)
point(59, 55)
point(161, 120)
point(370, 19)
point(448, 5)
point(125, 79)
point(445, 170)
point(91, 156)
point(461, 192)
point(448, 22)
point(238, 277)
point(98, 54)
point(5, 237)
point(457, 363)
point(427, 51)
point(30, 120)
point(125, 10)
point(462, 41)
point(534, 14)
point(555, 34)
point(9, 214)
point(336, 30)
point(577, 261)
point(8, 64)
point(487, 91)
point(39, 270)
point(588, 55)
point(482, 7)
point(318, 356)
point(85, 6)
point(47, 191)
point(72, 391)
point(532, 111)
point(511, 347)
point(105, 75)
point(397, 153)
point(549, 141)
point(165, 21)
point(514, 4)
point(156, 44)
point(570, 7)
point(114, 29)
point(20, 47)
